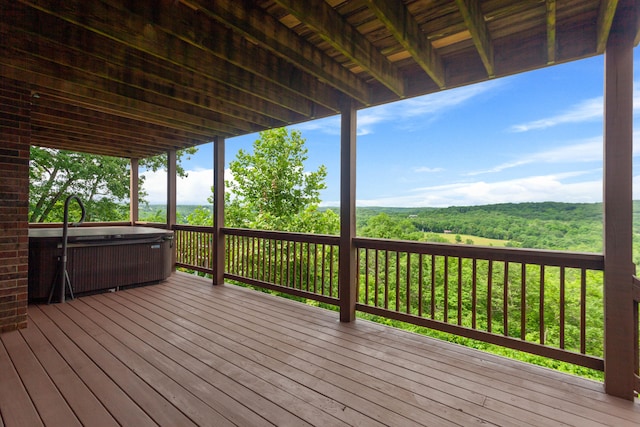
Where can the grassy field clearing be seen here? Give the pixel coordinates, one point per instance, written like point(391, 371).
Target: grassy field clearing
point(465, 239)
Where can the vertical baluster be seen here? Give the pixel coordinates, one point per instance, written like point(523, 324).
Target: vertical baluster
point(297, 254)
point(446, 289)
point(489, 295)
point(231, 255)
point(474, 293)
point(289, 262)
point(459, 290)
point(408, 290)
point(433, 286)
point(420, 282)
point(366, 275)
point(315, 268)
point(331, 270)
point(254, 266)
point(397, 281)
point(244, 251)
point(323, 252)
point(583, 311)
point(505, 301)
point(541, 307)
point(562, 305)
point(376, 280)
point(260, 260)
point(308, 266)
point(523, 302)
point(281, 262)
point(386, 279)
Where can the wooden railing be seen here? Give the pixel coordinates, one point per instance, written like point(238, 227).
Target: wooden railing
point(530, 300)
point(194, 247)
point(304, 265)
point(548, 303)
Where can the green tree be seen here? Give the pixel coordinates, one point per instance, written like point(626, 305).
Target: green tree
point(101, 182)
point(271, 190)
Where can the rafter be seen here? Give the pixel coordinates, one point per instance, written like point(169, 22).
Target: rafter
point(405, 29)
point(605, 19)
point(474, 20)
point(323, 19)
point(243, 16)
point(551, 31)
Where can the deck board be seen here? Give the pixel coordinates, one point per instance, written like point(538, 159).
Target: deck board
point(186, 353)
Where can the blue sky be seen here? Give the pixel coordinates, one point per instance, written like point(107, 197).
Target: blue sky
point(531, 137)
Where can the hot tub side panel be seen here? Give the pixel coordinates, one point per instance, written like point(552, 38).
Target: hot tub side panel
point(95, 267)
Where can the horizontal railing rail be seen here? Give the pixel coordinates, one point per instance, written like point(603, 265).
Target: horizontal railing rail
point(304, 265)
point(536, 301)
point(548, 303)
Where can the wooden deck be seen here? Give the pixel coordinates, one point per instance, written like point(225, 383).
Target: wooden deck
point(185, 353)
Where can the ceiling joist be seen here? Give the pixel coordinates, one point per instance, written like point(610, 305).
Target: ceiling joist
point(255, 24)
point(474, 20)
point(605, 19)
point(405, 29)
point(330, 25)
point(551, 32)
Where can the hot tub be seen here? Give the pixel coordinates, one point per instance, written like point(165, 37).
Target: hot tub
point(99, 258)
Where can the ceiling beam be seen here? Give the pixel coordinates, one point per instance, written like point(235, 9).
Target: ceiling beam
point(551, 32)
point(605, 19)
point(636, 41)
point(474, 20)
point(405, 29)
point(257, 25)
point(331, 26)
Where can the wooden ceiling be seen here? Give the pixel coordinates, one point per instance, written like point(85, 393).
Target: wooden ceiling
point(134, 78)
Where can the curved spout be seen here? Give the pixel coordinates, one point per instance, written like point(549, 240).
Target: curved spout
point(66, 211)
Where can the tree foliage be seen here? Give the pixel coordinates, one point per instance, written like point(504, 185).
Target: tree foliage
point(271, 190)
point(102, 183)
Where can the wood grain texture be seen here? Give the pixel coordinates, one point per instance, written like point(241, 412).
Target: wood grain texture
point(185, 352)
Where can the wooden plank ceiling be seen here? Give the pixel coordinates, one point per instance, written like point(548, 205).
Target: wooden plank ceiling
point(134, 78)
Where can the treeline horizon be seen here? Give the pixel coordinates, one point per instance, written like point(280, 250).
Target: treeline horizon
point(534, 225)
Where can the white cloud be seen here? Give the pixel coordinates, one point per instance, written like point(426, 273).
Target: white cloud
point(590, 109)
point(431, 106)
point(425, 169)
point(589, 150)
point(193, 190)
point(587, 110)
point(530, 189)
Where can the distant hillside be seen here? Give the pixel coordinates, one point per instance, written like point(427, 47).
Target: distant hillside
point(547, 225)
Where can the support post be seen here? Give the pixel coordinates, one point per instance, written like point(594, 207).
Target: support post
point(172, 163)
point(218, 211)
point(619, 346)
point(134, 179)
point(347, 280)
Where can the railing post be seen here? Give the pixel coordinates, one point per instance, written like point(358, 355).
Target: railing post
point(172, 162)
point(133, 191)
point(218, 211)
point(348, 255)
point(619, 346)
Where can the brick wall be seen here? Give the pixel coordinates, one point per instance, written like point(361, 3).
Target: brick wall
point(15, 132)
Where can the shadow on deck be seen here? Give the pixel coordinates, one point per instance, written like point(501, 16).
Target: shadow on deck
point(185, 353)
